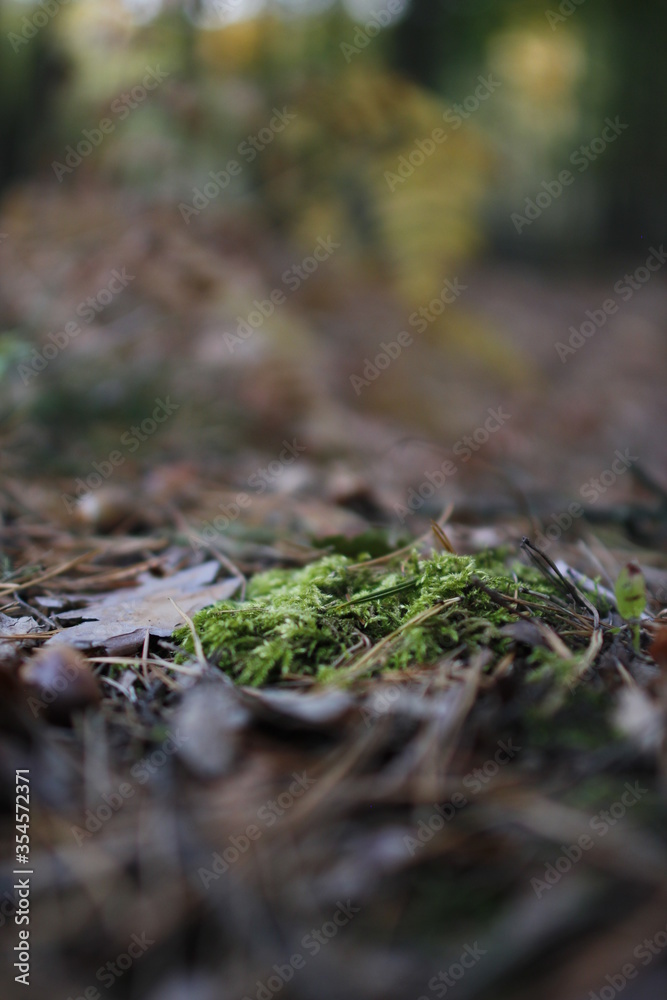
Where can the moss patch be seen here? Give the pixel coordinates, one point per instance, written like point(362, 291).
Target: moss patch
point(323, 619)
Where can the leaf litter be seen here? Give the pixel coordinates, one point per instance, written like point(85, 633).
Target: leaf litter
point(453, 721)
point(118, 622)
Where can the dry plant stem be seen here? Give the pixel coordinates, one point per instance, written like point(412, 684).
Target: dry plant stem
point(376, 595)
point(550, 570)
point(129, 661)
point(628, 679)
point(8, 588)
point(144, 657)
point(119, 687)
point(554, 641)
point(113, 576)
point(199, 650)
point(510, 603)
point(19, 636)
point(589, 657)
point(36, 613)
point(439, 533)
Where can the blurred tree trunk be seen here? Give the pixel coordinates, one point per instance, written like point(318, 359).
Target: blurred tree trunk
point(438, 38)
point(635, 168)
point(31, 71)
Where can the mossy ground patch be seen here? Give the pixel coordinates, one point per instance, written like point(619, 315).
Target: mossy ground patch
point(333, 616)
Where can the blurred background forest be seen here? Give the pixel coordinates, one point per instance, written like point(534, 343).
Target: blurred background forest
point(421, 142)
point(279, 276)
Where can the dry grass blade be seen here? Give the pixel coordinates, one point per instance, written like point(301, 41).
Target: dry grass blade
point(199, 649)
point(589, 657)
point(19, 636)
point(548, 567)
point(554, 641)
point(153, 662)
point(439, 533)
point(364, 662)
point(8, 588)
point(375, 595)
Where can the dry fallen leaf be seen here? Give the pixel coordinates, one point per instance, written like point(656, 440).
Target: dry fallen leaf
point(658, 648)
point(209, 719)
point(294, 710)
point(118, 621)
point(12, 629)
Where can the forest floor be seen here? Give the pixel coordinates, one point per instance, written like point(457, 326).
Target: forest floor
point(483, 813)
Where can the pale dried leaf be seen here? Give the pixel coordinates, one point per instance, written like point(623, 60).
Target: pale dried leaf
point(117, 622)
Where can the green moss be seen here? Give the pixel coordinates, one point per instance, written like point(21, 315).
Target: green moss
point(322, 619)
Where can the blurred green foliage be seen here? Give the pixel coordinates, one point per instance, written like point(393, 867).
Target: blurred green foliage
point(561, 72)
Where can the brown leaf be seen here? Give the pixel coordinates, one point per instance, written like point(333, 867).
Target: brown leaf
point(658, 648)
point(209, 720)
point(11, 630)
point(118, 621)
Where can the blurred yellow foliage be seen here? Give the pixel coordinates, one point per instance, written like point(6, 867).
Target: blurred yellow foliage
point(357, 127)
point(370, 160)
point(233, 48)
